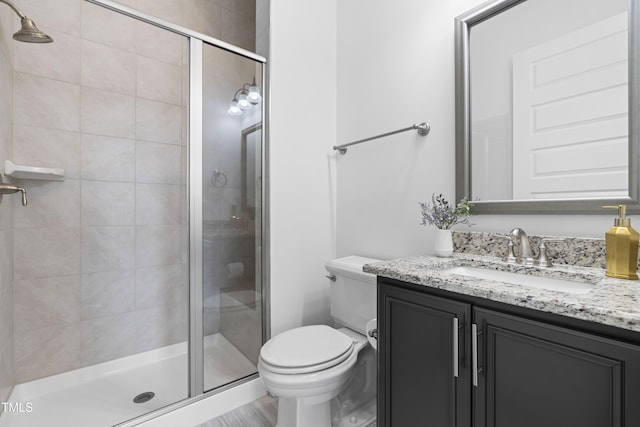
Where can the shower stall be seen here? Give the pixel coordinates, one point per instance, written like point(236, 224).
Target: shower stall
point(135, 283)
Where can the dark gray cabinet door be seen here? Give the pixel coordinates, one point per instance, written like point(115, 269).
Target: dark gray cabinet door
point(538, 375)
point(421, 346)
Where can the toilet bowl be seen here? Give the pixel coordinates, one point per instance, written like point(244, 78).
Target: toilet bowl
point(304, 388)
point(308, 366)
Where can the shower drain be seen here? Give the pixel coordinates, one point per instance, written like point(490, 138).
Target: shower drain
point(144, 397)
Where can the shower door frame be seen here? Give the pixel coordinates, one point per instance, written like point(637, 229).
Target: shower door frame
point(197, 44)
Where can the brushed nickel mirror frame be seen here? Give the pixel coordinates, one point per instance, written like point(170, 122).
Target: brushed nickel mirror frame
point(463, 24)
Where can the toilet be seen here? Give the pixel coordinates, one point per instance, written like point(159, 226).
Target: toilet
point(308, 366)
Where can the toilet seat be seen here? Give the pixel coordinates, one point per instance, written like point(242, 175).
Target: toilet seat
point(307, 369)
point(306, 349)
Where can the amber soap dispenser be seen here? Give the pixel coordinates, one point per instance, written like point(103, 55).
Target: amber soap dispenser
point(622, 247)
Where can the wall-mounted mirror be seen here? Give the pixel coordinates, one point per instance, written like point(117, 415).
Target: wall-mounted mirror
point(250, 163)
point(547, 103)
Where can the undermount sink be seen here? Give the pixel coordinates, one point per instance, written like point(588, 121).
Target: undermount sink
point(561, 285)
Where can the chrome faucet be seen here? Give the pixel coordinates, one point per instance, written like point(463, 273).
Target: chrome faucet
point(525, 256)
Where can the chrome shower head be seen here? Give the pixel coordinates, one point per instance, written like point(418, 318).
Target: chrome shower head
point(29, 32)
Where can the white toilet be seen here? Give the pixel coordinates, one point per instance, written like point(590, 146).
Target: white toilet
point(308, 366)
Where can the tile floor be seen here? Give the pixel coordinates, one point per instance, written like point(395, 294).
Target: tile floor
point(260, 413)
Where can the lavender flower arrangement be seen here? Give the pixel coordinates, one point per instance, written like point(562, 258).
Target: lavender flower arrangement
point(444, 215)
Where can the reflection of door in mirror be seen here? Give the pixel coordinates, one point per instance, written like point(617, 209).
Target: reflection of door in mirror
point(548, 101)
point(570, 109)
point(492, 154)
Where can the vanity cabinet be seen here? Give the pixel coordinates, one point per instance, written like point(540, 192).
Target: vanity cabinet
point(423, 377)
point(533, 374)
point(513, 371)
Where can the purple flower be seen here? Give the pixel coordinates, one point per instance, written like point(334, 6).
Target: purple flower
point(443, 215)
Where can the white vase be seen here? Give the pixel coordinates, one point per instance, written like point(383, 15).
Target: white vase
point(443, 243)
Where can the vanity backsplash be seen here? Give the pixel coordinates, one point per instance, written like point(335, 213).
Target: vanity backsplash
point(578, 251)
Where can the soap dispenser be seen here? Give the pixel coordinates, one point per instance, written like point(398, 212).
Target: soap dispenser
point(622, 247)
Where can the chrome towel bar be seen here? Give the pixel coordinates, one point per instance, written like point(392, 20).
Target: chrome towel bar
point(422, 128)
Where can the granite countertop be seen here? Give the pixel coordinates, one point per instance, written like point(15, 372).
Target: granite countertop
point(613, 302)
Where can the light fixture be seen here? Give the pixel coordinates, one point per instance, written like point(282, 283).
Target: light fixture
point(243, 102)
point(234, 110)
point(244, 98)
point(254, 96)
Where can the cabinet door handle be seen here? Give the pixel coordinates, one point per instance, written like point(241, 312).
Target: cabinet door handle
point(474, 354)
point(455, 347)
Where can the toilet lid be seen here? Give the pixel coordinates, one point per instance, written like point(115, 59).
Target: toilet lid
point(306, 349)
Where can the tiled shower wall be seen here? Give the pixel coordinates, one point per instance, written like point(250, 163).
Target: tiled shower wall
point(233, 21)
point(100, 259)
point(6, 211)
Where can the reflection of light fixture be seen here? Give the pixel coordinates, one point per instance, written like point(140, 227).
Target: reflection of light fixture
point(244, 98)
point(234, 110)
point(254, 93)
point(243, 102)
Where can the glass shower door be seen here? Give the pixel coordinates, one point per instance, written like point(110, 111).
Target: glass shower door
point(102, 294)
point(231, 215)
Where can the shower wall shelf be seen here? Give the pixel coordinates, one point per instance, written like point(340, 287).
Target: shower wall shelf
point(32, 172)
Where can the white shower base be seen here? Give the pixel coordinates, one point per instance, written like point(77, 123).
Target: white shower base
point(102, 395)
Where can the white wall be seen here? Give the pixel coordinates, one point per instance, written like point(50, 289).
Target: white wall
point(395, 68)
point(303, 129)
point(393, 65)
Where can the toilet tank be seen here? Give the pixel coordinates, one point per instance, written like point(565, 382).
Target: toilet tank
point(353, 293)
